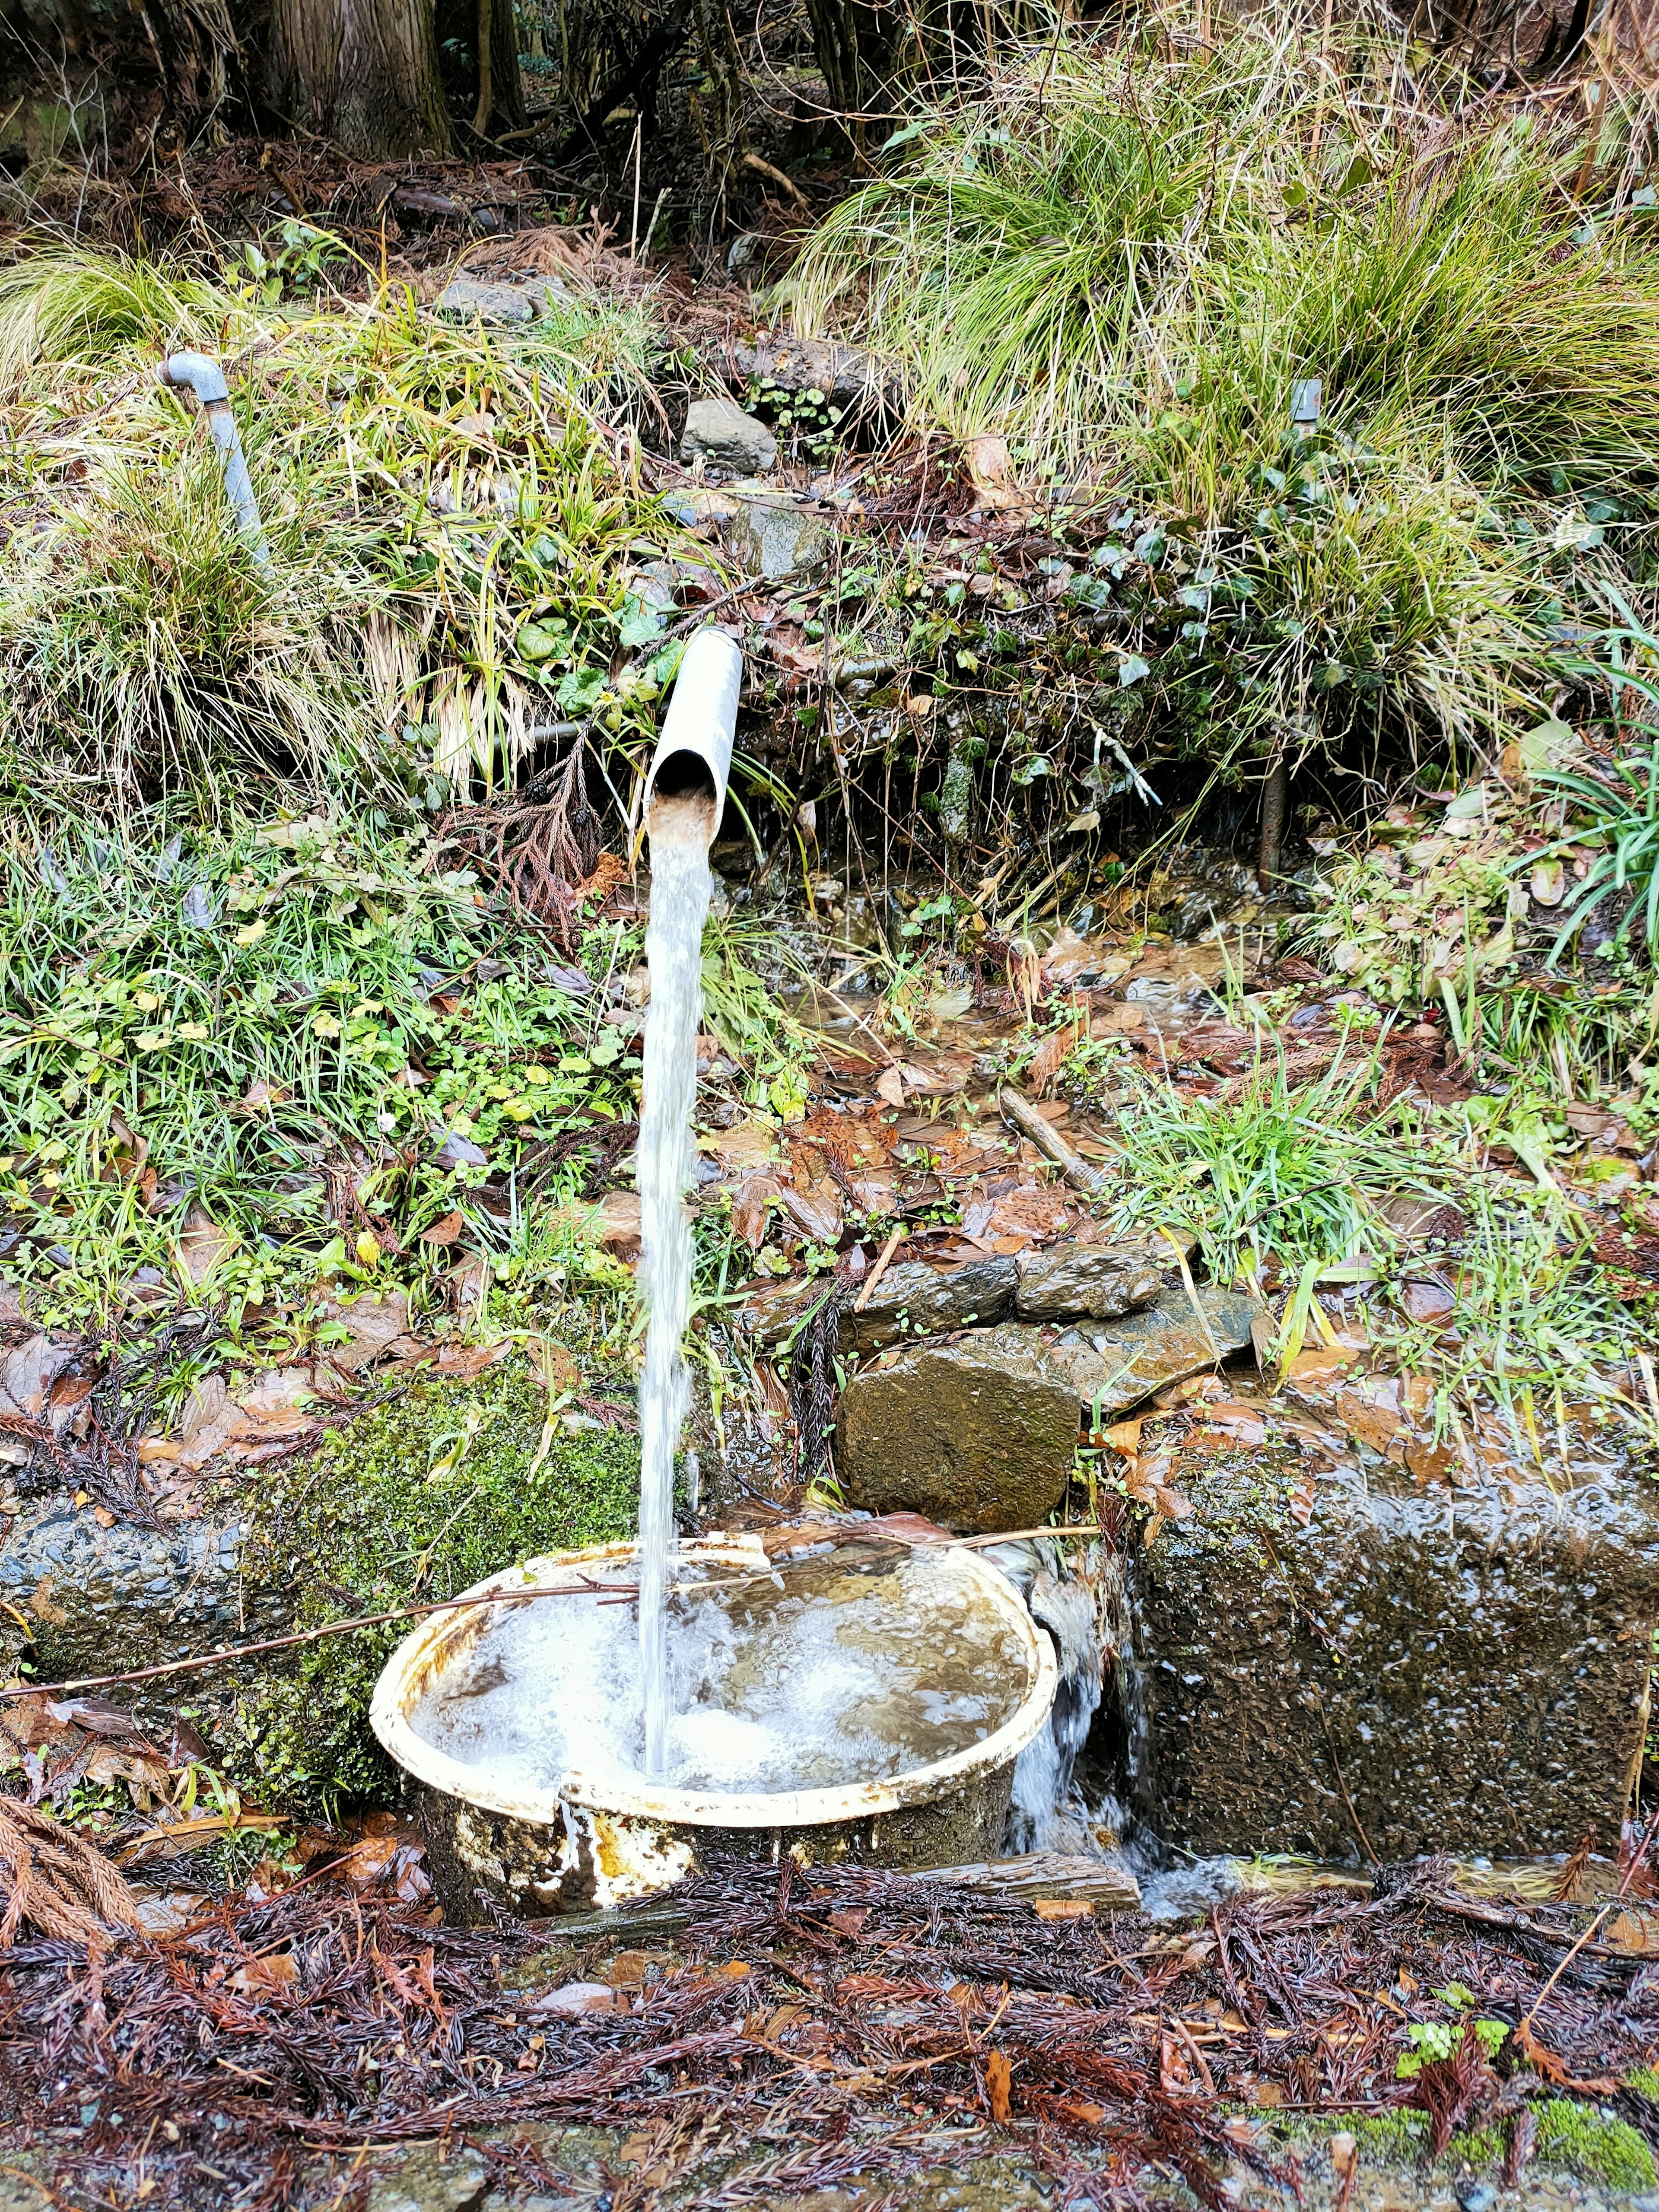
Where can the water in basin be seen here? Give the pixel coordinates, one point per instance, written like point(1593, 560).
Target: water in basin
point(835, 1669)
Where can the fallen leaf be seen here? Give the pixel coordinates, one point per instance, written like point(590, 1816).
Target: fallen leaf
point(576, 1997)
point(990, 472)
point(28, 1373)
point(258, 1096)
point(889, 1086)
point(1427, 1301)
point(1047, 1059)
point(1549, 881)
point(850, 1922)
point(1244, 1422)
point(202, 1246)
point(444, 1231)
point(1554, 2069)
point(997, 2076)
point(41, 1604)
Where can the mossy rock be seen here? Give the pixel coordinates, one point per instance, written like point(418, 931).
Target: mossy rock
point(411, 1502)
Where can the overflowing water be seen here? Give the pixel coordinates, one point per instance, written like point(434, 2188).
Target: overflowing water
point(679, 830)
point(841, 1668)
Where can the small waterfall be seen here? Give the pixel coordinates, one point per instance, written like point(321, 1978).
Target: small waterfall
point(1049, 1811)
point(679, 830)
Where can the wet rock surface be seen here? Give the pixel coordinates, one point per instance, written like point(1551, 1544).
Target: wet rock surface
point(1115, 1367)
point(1103, 1282)
point(1392, 1670)
point(916, 1300)
point(976, 1432)
point(97, 1598)
point(719, 432)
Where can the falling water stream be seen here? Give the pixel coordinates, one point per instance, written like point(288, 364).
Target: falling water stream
point(679, 830)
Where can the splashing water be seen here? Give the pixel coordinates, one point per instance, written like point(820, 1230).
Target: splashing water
point(679, 830)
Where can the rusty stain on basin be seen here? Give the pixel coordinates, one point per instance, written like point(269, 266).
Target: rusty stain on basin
point(592, 1841)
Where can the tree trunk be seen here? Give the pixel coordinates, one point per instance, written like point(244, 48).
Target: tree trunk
point(507, 107)
point(364, 72)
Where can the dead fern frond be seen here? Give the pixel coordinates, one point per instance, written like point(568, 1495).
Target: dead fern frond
point(56, 1881)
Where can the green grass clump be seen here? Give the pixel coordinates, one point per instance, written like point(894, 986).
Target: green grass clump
point(414, 1500)
point(1123, 259)
point(1274, 1172)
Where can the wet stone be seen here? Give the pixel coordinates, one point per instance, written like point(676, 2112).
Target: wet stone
point(1410, 1670)
point(779, 539)
point(1113, 1367)
point(126, 1590)
point(719, 432)
point(1100, 1281)
point(976, 1432)
point(916, 1300)
point(425, 2181)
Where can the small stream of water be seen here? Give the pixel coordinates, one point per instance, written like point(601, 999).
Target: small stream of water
point(679, 831)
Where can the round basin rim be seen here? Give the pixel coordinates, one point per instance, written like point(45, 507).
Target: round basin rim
point(783, 1809)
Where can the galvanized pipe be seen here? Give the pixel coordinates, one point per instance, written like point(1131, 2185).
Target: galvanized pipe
point(200, 374)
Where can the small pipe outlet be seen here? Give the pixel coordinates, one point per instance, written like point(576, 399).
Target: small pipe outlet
point(694, 753)
point(200, 374)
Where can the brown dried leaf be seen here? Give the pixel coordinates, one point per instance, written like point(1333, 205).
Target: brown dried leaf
point(997, 2076)
point(280, 1971)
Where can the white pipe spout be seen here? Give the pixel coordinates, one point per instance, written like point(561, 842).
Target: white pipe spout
point(200, 374)
point(693, 759)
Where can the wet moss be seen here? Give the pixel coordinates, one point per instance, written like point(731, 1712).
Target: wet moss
point(412, 1501)
point(1592, 2146)
point(1577, 2139)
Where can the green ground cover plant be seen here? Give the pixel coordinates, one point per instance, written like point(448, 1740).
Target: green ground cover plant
point(277, 1032)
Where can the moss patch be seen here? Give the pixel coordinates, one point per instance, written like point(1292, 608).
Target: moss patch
point(1612, 2151)
point(1573, 2137)
point(414, 1501)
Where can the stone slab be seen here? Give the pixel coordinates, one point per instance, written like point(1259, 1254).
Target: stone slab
point(1414, 1670)
point(976, 1431)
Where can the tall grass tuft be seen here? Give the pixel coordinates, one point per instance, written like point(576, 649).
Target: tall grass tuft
point(1124, 258)
point(457, 535)
point(60, 303)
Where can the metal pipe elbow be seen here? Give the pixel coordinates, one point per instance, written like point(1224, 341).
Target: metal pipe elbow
point(196, 372)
